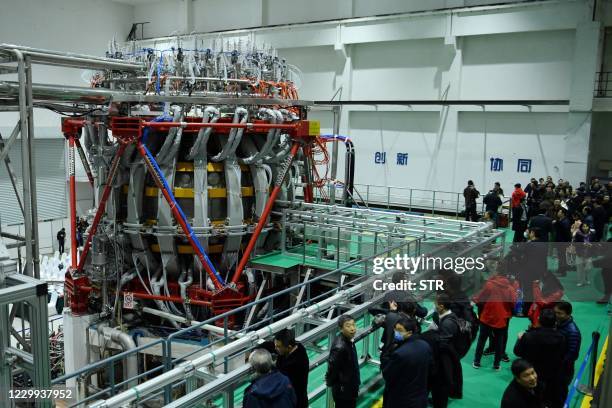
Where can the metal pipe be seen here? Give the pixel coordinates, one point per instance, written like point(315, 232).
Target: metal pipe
point(211, 114)
point(198, 125)
point(48, 57)
point(269, 138)
point(32, 175)
point(266, 212)
point(102, 205)
point(186, 369)
point(25, 160)
point(179, 319)
point(9, 143)
point(99, 96)
point(127, 343)
point(173, 299)
point(334, 159)
point(241, 115)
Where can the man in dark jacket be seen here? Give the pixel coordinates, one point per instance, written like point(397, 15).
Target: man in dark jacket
point(270, 388)
point(543, 222)
point(567, 327)
point(61, 239)
point(519, 220)
point(600, 218)
point(492, 203)
point(545, 348)
point(342, 365)
point(448, 379)
point(293, 362)
point(405, 372)
point(470, 194)
point(523, 391)
point(563, 235)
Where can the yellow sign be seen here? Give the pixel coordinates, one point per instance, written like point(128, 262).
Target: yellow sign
point(314, 128)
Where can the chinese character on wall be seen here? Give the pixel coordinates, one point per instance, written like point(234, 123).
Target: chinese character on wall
point(380, 157)
point(402, 159)
point(497, 164)
point(523, 166)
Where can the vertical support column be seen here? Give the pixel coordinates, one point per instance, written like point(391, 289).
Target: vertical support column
point(450, 88)
point(32, 179)
point(72, 199)
point(584, 67)
point(188, 16)
point(334, 159)
point(39, 329)
point(5, 369)
point(25, 161)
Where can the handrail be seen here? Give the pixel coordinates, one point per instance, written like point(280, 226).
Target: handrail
point(167, 342)
point(576, 382)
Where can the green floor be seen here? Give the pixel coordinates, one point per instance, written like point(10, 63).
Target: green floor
point(483, 387)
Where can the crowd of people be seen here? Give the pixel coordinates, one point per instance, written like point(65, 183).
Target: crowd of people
point(422, 367)
point(573, 221)
point(420, 360)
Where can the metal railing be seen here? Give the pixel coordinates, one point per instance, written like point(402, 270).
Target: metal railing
point(412, 199)
point(169, 359)
point(603, 88)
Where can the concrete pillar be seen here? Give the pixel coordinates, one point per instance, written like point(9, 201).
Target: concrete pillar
point(584, 68)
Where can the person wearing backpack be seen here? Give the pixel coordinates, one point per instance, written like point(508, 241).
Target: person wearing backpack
point(448, 381)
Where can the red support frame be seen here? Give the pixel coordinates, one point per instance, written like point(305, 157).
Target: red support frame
point(266, 212)
point(77, 142)
point(72, 182)
point(102, 206)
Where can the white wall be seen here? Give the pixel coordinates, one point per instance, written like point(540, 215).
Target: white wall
point(81, 26)
point(528, 51)
point(530, 65)
point(168, 16)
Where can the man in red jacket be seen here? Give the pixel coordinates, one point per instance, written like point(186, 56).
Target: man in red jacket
point(496, 301)
point(517, 195)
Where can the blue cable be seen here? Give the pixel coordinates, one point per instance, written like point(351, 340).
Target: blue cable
point(166, 186)
point(339, 137)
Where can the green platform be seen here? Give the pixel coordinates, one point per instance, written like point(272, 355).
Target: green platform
point(483, 387)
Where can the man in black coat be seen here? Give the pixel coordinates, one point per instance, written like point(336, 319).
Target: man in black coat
point(543, 223)
point(406, 371)
point(492, 203)
point(448, 378)
point(61, 239)
point(600, 218)
point(470, 194)
point(523, 391)
point(545, 348)
point(342, 365)
point(293, 362)
point(563, 235)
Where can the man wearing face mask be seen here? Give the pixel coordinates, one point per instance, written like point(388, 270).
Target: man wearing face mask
point(406, 371)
